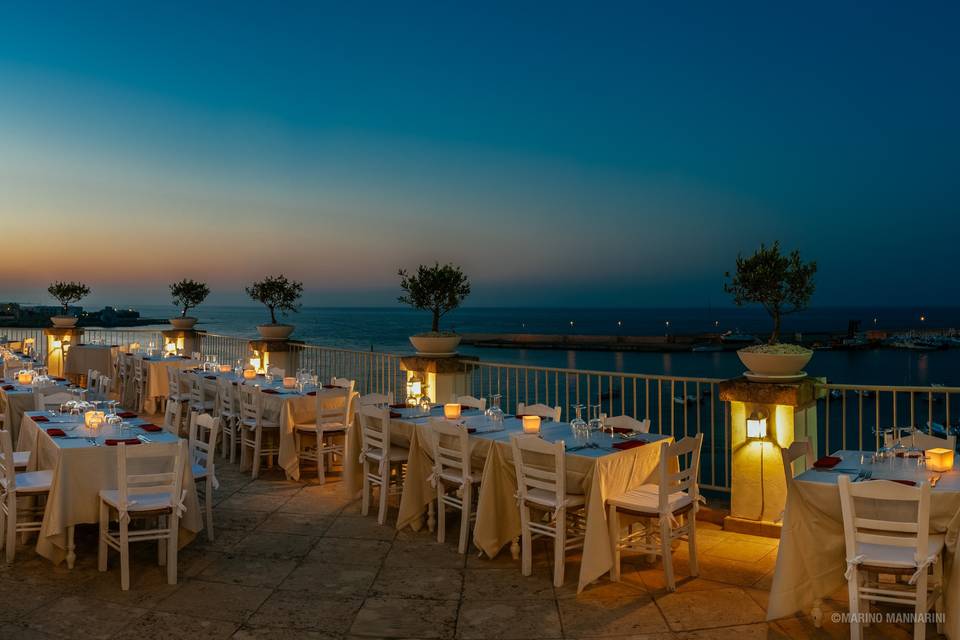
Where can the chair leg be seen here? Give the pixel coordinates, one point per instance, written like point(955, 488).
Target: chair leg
point(692, 544)
point(614, 525)
point(11, 527)
point(208, 506)
point(938, 603)
point(667, 554)
point(365, 498)
point(124, 557)
point(257, 441)
point(526, 542)
point(560, 548)
point(853, 586)
point(441, 514)
point(920, 609)
point(321, 467)
point(102, 549)
point(174, 524)
point(234, 434)
point(466, 507)
point(384, 494)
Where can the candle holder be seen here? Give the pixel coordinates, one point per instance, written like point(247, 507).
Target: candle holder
point(531, 424)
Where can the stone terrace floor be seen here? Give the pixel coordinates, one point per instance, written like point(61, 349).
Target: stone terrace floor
point(297, 560)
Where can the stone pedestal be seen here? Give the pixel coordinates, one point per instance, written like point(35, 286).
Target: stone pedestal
point(757, 481)
point(443, 378)
point(281, 354)
point(58, 341)
point(186, 340)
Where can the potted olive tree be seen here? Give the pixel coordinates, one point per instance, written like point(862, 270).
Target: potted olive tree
point(65, 293)
point(276, 293)
point(781, 284)
point(187, 294)
point(439, 290)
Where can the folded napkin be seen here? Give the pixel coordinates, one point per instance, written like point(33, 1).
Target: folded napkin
point(395, 414)
point(311, 393)
point(623, 430)
point(8, 387)
point(184, 357)
point(127, 414)
point(210, 377)
point(398, 405)
point(471, 429)
point(59, 379)
point(827, 462)
point(54, 432)
point(909, 483)
point(330, 386)
point(628, 444)
point(149, 426)
point(40, 418)
point(270, 391)
point(520, 416)
point(112, 442)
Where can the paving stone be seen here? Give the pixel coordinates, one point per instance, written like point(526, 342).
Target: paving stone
point(249, 571)
point(304, 524)
point(360, 527)
point(508, 620)
point(711, 608)
point(507, 584)
point(220, 601)
point(331, 580)
point(157, 625)
point(350, 551)
point(82, 617)
point(611, 616)
point(275, 545)
point(404, 618)
point(305, 610)
point(433, 583)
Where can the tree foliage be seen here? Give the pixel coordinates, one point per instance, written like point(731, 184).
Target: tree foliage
point(67, 292)
point(188, 294)
point(438, 289)
point(780, 283)
point(277, 293)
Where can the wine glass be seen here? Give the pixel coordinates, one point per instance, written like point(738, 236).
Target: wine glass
point(596, 424)
point(577, 425)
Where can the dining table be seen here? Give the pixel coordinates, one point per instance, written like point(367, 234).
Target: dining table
point(16, 398)
point(598, 466)
point(811, 559)
point(158, 389)
point(83, 463)
point(81, 358)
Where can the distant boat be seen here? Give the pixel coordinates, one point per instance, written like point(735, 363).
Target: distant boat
point(735, 337)
point(684, 400)
point(706, 347)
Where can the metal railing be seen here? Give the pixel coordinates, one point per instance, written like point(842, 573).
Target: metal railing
point(675, 406)
point(118, 337)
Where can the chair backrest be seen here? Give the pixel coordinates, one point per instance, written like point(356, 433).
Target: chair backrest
point(470, 401)
point(139, 371)
point(123, 366)
point(251, 404)
point(226, 398)
point(685, 456)
point(343, 383)
point(198, 390)
point(920, 440)
point(879, 499)
point(173, 380)
point(450, 445)
point(375, 428)
point(276, 372)
point(798, 449)
point(628, 422)
point(93, 381)
point(104, 385)
point(373, 399)
point(132, 481)
point(7, 471)
point(539, 465)
point(202, 443)
point(333, 407)
point(542, 410)
point(44, 401)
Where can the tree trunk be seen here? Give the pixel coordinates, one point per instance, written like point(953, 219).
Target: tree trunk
point(436, 321)
point(184, 314)
point(273, 316)
point(775, 336)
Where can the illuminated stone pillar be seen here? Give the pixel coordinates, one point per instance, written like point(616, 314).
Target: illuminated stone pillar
point(185, 340)
point(757, 483)
point(58, 342)
point(282, 354)
point(441, 378)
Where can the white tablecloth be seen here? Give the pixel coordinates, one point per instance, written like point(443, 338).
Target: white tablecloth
point(16, 400)
point(83, 357)
point(157, 386)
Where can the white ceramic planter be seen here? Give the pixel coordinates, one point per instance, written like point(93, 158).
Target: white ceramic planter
point(64, 322)
point(275, 331)
point(775, 365)
point(183, 323)
point(435, 345)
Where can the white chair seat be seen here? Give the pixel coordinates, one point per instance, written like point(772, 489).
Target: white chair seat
point(549, 499)
point(143, 502)
point(31, 482)
point(266, 424)
point(20, 459)
point(452, 476)
point(327, 428)
point(203, 407)
point(646, 499)
point(397, 454)
point(887, 555)
point(199, 471)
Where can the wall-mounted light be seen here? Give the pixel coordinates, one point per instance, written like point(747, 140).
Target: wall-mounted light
point(757, 425)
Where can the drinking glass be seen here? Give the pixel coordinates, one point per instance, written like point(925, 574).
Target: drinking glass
point(595, 423)
point(495, 413)
point(577, 425)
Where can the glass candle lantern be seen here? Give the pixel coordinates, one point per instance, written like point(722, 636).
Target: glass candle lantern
point(451, 411)
point(531, 424)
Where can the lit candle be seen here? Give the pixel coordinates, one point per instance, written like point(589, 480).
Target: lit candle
point(249, 374)
point(451, 411)
point(289, 382)
point(25, 377)
point(255, 363)
point(531, 424)
point(224, 368)
point(939, 459)
point(93, 419)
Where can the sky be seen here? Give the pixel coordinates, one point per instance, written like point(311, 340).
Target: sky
point(565, 154)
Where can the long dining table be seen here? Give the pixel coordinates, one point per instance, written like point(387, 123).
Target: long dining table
point(158, 388)
point(813, 521)
point(595, 468)
point(82, 464)
point(16, 398)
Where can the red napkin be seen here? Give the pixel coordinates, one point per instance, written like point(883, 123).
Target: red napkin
point(59, 379)
point(520, 416)
point(623, 430)
point(330, 386)
point(40, 418)
point(112, 442)
point(184, 357)
point(127, 414)
point(210, 377)
point(54, 432)
point(311, 393)
point(909, 483)
point(628, 444)
point(8, 387)
point(398, 405)
point(471, 429)
point(827, 462)
point(395, 414)
point(270, 391)
point(148, 426)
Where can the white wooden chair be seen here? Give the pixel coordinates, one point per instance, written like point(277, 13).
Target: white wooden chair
point(200, 401)
point(373, 399)
point(902, 546)
point(19, 518)
point(789, 455)
point(258, 435)
point(470, 401)
point(670, 506)
point(920, 440)
point(124, 378)
point(628, 422)
point(542, 410)
point(543, 489)
point(331, 422)
point(202, 460)
point(276, 372)
point(453, 477)
point(228, 409)
point(377, 450)
point(177, 396)
point(93, 383)
point(140, 373)
point(343, 383)
point(104, 385)
point(45, 401)
point(154, 495)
